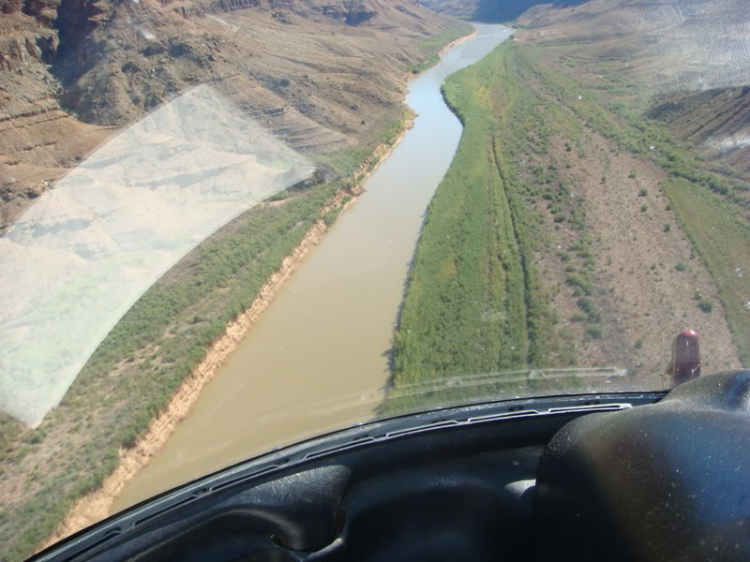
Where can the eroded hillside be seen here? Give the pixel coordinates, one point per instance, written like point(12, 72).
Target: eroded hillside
point(323, 76)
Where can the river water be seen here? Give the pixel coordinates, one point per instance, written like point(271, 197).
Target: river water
point(317, 359)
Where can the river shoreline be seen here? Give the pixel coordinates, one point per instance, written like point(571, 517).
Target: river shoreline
point(97, 505)
point(457, 42)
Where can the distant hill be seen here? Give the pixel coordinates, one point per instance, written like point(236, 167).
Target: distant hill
point(685, 59)
point(492, 11)
point(679, 44)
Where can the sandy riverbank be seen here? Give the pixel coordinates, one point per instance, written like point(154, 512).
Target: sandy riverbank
point(458, 41)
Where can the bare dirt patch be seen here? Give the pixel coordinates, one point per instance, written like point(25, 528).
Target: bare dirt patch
point(646, 271)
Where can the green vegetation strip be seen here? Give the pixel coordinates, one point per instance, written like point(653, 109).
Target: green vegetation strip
point(721, 236)
point(348, 161)
point(475, 300)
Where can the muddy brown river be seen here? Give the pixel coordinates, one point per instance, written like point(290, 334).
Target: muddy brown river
point(317, 359)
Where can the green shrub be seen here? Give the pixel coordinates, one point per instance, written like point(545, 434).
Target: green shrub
point(576, 280)
point(586, 304)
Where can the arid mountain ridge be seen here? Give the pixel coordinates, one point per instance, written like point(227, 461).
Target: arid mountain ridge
point(323, 75)
point(684, 60)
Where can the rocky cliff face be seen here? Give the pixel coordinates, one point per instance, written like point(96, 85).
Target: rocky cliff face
point(117, 61)
point(351, 12)
point(31, 119)
point(322, 74)
point(26, 34)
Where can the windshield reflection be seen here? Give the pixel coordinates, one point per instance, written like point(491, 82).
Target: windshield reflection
point(77, 260)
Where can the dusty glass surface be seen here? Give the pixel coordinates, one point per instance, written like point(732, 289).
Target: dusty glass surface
point(224, 229)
